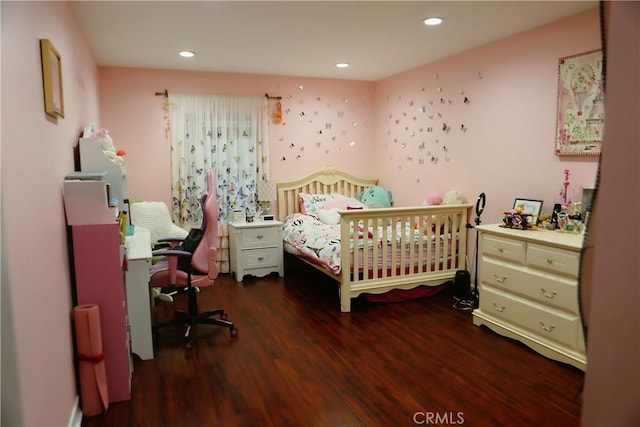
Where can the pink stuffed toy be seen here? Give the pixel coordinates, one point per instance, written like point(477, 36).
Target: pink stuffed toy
point(434, 199)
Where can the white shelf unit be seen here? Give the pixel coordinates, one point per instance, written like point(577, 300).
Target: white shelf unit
point(94, 159)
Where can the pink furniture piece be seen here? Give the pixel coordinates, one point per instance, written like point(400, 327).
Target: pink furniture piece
point(98, 262)
point(201, 270)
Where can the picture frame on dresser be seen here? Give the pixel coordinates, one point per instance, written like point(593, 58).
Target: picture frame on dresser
point(531, 206)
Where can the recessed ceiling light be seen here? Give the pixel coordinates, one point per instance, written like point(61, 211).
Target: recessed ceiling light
point(433, 21)
point(187, 54)
point(342, 65)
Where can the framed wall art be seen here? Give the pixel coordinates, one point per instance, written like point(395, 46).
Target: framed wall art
point(52, 79)
point(580, 113)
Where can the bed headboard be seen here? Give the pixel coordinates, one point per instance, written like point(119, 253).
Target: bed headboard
point(326, 180)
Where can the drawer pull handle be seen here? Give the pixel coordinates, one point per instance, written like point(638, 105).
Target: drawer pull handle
point(549, 261)
point(498, 308)
point(547, 328)
point(548, 294)
point(260, 258)
point(500, 250)
point(259, 236)
point(499, 279)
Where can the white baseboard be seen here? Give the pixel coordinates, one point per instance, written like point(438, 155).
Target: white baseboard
point(75, 420)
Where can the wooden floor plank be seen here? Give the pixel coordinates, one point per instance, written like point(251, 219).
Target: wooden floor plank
point(299, 361)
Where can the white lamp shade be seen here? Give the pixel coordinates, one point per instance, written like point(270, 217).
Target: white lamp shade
point(266, 191)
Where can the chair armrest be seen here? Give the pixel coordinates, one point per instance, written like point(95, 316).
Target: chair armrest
point(172, 256)
point(171, 252)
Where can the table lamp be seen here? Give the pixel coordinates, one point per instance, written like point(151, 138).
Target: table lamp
point(266, 194)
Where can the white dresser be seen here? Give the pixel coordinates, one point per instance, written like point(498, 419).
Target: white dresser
point(528, 284)
point(256, 248)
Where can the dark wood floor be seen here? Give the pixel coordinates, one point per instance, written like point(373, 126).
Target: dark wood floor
point(299, 361)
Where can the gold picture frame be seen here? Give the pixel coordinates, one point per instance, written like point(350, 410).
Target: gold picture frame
point(52, 79)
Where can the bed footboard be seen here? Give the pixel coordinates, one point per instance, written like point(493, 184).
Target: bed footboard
point(400, 248)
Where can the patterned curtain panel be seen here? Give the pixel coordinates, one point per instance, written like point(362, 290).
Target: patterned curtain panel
point(226, 133)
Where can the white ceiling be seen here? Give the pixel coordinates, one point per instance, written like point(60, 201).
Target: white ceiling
point(303, 38)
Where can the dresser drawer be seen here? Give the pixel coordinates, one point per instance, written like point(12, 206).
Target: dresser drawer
point(259, 258)
point(260, 237)
point(558, 292)
point(507, 249)
point(548, 324)
point(553, 259)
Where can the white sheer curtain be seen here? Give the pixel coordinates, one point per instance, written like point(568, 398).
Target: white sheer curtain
point(228, 134)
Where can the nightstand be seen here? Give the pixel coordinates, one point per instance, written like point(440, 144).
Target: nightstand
point(256, 248)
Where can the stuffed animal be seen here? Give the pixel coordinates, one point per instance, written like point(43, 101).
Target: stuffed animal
point(453, 197)
point(433, 199)
point(108, 148)
point(376, 197)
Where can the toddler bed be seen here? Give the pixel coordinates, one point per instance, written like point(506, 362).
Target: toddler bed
point(370, 251)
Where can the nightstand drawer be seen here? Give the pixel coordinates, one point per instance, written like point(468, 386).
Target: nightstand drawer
point(508, 249)
point(561, 293)
point(554, 260)
point(549, 324)
point(260, 237)
point(259, 258)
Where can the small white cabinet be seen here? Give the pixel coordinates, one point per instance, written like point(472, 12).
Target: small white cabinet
point(528, 285)
point(256, 248)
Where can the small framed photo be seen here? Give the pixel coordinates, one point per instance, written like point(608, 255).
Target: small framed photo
point(529, 206)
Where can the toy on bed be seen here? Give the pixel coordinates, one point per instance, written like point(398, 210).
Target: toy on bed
point(328, 212)
point(376, 197)
point(452, 197)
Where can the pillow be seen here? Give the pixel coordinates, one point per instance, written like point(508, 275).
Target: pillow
point(155, 217)
point(329, 216)
point(310, 203)
point(341, 202)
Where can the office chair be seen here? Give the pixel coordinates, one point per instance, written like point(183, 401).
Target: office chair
point(200, 270)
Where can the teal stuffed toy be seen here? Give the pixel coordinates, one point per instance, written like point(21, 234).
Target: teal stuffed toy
point(376, 197)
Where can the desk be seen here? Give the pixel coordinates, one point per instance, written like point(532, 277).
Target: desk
point(138, 295)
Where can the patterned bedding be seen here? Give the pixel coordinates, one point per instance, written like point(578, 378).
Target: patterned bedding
point(308, 237)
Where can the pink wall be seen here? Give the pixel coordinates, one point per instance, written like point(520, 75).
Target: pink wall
point(507, 149)
point(320, 120)
point(38, 380)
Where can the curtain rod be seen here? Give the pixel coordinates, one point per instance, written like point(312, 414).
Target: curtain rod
point(166, 94)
